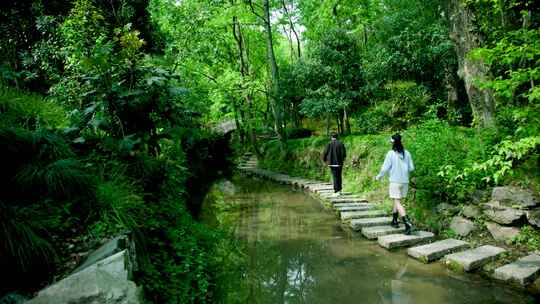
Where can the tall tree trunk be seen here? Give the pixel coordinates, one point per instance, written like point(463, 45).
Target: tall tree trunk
point(291, 25)
point(274, 73)
point(347, 122)
point(239, 126)
point(291, 44)
point(327, 124)
point(466, 38)
point(244, 71)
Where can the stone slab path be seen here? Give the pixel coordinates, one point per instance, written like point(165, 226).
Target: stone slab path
point(393, 241)
point(434, 251)
point(373, 224)
point(522, 271)
point(469, 260)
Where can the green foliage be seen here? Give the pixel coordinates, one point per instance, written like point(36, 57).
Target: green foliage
point(433, 145)
point(528, 236)
point(412, 43)
point(449, 233)
point(514, 58)
point(336, 59)
point(500, 165)
point(404, 104)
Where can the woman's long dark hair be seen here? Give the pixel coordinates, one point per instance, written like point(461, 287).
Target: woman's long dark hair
point(397, 145)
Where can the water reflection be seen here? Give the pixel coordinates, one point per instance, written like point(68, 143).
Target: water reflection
point(298, 253)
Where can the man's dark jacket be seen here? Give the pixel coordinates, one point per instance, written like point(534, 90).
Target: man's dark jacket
point(335, 153)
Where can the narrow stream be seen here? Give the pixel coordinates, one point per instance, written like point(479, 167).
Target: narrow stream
point(297, 252)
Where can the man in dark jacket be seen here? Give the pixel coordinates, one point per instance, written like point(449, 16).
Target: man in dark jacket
point(334, 156)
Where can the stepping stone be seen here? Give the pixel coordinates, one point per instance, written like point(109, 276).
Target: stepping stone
point(315, 187)
point(357, 224)
point(474, 258)
point(434, 251)
point(349, 199)
point(325, 192)
point(329, 194)
point(522, 271)
point(340, 205)
point(377, 231)
point(349, 215)
point(301, 182)
point(363, 207)
point(401, 240)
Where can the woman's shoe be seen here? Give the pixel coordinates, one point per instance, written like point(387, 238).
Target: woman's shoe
point(409, 228)
point(395, 223)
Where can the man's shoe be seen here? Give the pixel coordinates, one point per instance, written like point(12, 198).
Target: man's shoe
point(335, 194)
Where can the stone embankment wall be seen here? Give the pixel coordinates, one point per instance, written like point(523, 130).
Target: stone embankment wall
point(507, 210)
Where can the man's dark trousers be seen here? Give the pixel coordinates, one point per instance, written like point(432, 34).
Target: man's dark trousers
point(336, 178)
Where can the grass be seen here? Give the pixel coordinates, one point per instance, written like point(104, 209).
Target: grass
point(30, 110)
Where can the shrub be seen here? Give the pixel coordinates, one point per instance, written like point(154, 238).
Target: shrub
point(402, 105)
point(117, 207)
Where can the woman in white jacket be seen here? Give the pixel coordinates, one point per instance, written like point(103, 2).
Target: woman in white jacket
point(398, 163)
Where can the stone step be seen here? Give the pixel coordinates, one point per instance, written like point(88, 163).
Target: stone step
point(325, 191)
point(301, 182)
point(377, 231)
point(339, 205)
point(329, 194)
point(401, 240)
point(474, 258)
point(434, 251)
point(347, 199)
point(349, 215)
point(288, 181)
point(315, 187)
point(523, 271)
point(283, 180)
point(363, 207)
point(298, 183)
point(357, 224)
